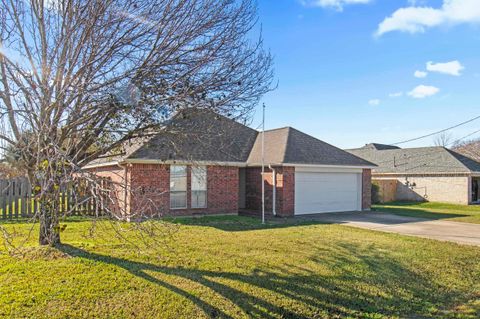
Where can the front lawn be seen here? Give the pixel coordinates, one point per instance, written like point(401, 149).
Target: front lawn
point(461, 213)
point(233, 267)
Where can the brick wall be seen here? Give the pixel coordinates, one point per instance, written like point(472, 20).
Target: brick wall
point(223, 189)
point(444, 189)
point(366, 189)
point(149, 190)
point(286, 185)
point(285, 195)
point(149, 186)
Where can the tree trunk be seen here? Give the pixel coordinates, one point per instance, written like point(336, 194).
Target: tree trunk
point(47, 195)
point(49, 230)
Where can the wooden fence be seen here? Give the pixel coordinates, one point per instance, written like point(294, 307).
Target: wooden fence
point(17, 200)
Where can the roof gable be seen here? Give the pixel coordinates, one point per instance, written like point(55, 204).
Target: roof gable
point(380, 147)
point(305, 149)
point(290, 146)
point(199, 135)
point(275, 147)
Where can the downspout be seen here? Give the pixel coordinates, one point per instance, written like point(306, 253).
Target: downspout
point(274, 193)
point(125, 181)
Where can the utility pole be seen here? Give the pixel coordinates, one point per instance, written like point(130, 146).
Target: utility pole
point(263, 164)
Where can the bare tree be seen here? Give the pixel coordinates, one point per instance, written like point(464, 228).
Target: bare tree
point(444, 139)
point(469, 148)
point(81, 77)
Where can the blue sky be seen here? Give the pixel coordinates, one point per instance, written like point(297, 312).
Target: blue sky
point(337, 73)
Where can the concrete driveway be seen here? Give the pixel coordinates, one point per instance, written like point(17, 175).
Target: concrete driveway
point(462, 233)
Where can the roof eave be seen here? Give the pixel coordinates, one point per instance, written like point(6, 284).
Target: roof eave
point(105, 164)
point(423, 173)
point(186, 162)
point(329, 166)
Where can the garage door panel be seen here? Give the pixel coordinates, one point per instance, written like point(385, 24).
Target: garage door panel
point(326, 192)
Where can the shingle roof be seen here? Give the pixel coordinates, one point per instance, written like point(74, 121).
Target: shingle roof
point(423, 160)
point(123, 152)
point(200, 136)
point(290, 146)
point(380, 147)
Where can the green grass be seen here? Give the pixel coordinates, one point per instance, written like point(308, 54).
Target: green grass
point(461, 213)
point(232, 267)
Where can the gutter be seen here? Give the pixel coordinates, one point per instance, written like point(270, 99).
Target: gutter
point(112, 163)
point(313, 165)
point(213, 163)
point(426, 174)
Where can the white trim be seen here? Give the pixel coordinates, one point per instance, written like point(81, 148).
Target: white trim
point(312, 165)
point(360, 193)
point(183, 162)
point(115, 163)
point(328, 170)
point(213, 163)
point(462, 174)
point(329, 166)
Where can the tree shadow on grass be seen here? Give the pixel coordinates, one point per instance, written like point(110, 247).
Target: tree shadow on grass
point(251, 305)
point(415, 212)
point(362, 283)
point(243, 223)
point(25, 220)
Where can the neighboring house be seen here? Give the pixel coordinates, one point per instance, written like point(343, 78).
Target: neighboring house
point(209, 164)
point(432, 174)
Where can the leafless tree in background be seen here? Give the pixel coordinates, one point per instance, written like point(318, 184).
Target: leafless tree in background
point(469, 148)
point(444, 139)
point(81, 77)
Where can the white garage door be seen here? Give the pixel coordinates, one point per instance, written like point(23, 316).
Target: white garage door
point(327, 192)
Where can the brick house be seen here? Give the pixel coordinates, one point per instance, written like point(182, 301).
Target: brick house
point(434, 174)
point(209, 164)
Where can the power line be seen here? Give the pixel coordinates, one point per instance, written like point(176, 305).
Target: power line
point(462, 138)
point(435, 133)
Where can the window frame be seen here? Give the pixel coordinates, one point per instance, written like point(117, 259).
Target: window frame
point(204, 189)
point(176, 191)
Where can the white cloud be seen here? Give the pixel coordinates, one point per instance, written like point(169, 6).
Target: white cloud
point(415, 19)
point(417, 2)
point(374, 102)
point(452, 68)
point(420, 74)
point(423, 91)
point(396, 94)
point(336, 4)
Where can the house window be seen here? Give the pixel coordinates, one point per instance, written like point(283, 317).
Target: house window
point(178, 187)
point(199, 187)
